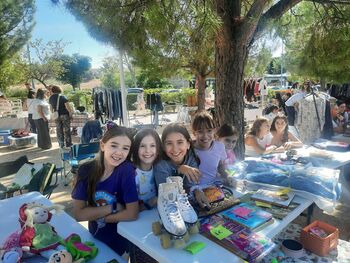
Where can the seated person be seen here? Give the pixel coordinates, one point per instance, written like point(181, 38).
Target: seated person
point(281, 137)
point(341, 118)
point(270, 112)
point(258, 139)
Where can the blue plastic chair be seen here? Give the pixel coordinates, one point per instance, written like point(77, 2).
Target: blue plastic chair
point(78, 153)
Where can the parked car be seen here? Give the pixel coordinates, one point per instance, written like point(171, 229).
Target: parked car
point(135, 90)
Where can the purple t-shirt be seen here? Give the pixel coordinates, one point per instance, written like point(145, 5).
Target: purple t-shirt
point(210, 160)
point(119, 187)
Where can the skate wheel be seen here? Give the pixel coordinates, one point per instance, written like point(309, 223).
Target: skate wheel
point(165, 241)
point(194, 229)
point(179, 243)
point(186, 237)
point(156, 228)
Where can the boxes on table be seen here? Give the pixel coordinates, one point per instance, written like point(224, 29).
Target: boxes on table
point(4, 137)
point(316, 244)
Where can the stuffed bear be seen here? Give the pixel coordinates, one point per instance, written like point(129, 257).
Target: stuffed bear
point(63, 256)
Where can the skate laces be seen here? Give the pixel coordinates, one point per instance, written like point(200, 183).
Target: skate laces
point(172, 211)
point(183, 199)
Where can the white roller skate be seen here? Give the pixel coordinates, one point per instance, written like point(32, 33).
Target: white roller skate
point(188, 214)
point(170, 216)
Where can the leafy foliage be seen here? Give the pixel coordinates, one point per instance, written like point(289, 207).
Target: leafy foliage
point(16, 23)
point(317, 38)
point(46, 63)
point(12, 72)
point(74, 68)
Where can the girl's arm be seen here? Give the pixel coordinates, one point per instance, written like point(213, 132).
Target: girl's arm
point(191, 173)
point(130, 213)
point(83, 212)
point(251, 141)
point(293, 142)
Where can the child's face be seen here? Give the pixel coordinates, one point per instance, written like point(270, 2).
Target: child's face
point(265, 128)
point(116, 150)
point(176, 147)
point(280, 125)
point(204, 138)
point(229, 142)
point(148, 150)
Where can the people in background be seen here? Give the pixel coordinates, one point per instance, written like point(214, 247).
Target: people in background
point(41, 117)
point(270, 112)
point(178, 157)
point(65, 113)
point(31, 109)
point(211, 154)
point(341, 118)
point(31, 92)
point(293, 102)
point(258, 139)
point(281, 137)
point(280, 102)
point(103, 183)
point(228, 135)
point(146, 151)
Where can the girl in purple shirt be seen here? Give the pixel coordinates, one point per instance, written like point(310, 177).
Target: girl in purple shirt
point(102, 183)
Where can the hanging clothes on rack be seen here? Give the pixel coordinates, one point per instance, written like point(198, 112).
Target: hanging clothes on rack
point(107, 104)
point(310, 117)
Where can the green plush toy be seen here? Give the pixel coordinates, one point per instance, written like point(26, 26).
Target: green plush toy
point(78, 249)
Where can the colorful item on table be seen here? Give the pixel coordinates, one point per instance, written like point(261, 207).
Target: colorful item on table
point(220, 232)
point(242, 241)
point(318, 231)
point(247, 215)
point(279, 198)
point(195, 247)
point(214, 194)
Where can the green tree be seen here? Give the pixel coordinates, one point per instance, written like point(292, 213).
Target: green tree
point(46, 63)
point(12, 72)
point(274, 67)
point(74, 68)
point(110, 73)
point(16, 23)
point(258, 59)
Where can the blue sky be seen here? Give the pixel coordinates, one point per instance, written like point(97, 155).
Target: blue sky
point(55, 23)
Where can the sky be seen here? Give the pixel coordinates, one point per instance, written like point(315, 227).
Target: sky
point(56, 23)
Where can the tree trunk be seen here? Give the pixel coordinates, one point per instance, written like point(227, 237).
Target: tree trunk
point(200, 80)
point(231, 51)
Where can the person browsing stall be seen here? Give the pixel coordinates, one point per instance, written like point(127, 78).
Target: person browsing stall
point(281, 137)
point(103, 183)
point(341, 117)
point(258, 139)
point(146, 151)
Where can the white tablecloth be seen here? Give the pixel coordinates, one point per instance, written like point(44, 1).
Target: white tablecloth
point(12, 123)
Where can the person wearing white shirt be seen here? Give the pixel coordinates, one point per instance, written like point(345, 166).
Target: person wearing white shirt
point(41, 118)
point(293, 102)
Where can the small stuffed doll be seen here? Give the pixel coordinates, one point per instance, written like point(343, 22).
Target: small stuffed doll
point(37, 234)
point(63, 256)
point(12, 252)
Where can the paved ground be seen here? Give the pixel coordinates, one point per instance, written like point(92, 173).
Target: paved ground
point(339, 218)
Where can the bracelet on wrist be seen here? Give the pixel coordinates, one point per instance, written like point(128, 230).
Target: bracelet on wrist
point(114, 208)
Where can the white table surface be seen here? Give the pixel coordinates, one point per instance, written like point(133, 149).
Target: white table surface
point(341, 138)
point(63, 223)
point(338, 160)
point(140, 233)
point(12, 123)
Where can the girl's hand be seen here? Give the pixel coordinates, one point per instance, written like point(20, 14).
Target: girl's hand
point(201, 199)
point(288, 145)
point(191, 173)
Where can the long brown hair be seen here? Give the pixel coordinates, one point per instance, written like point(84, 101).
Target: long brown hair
point(285, 132)
point(255, 129)
point(178, 128)
point(137, 141)
point(97, 165)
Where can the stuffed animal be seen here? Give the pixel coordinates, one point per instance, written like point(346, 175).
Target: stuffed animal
point(37, 234)
point(63, 256)
point(12, 252)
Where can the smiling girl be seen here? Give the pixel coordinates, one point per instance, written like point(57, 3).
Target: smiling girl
point(102, 183)
point(280, 134)
point(179, 158)
point(146, 151)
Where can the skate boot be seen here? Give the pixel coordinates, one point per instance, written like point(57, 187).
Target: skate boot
point(188, 214)
point(170, 216)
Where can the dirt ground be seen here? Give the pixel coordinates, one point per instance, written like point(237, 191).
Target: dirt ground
point(339, 218)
